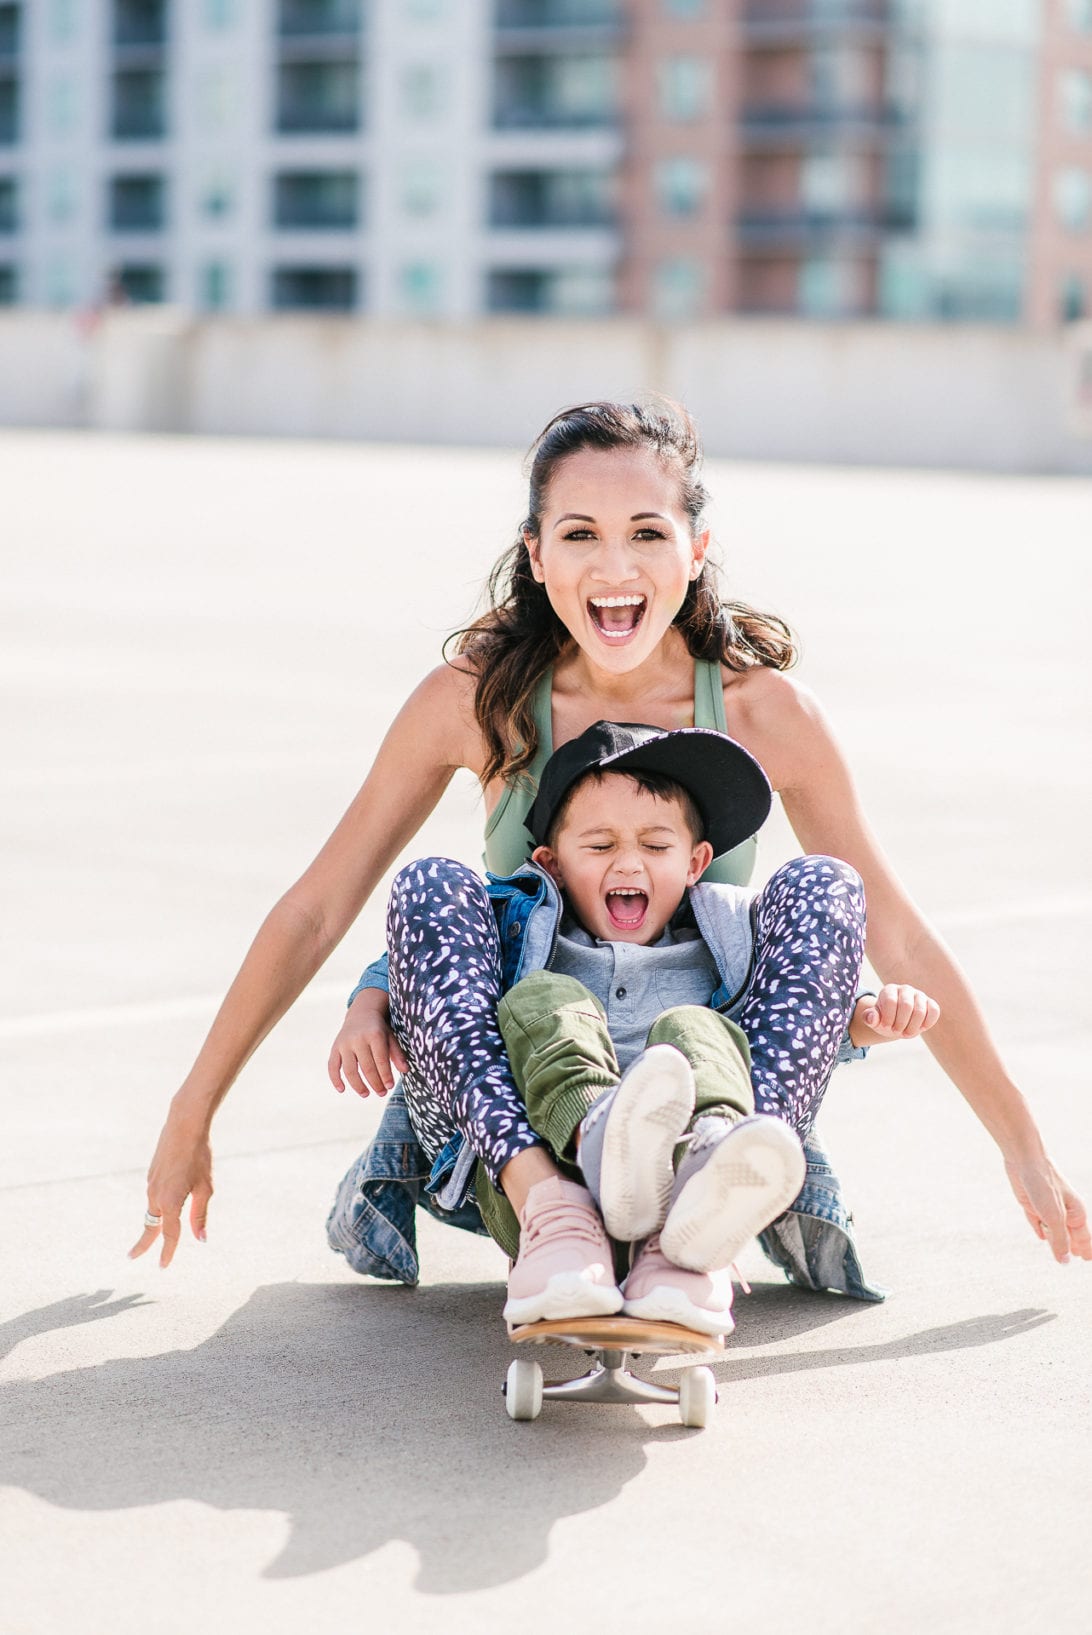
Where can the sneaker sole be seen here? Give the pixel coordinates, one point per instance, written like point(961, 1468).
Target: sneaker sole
point(567, 1294)
point(750, 1178)
point(651, 1109)
point(667, 1305)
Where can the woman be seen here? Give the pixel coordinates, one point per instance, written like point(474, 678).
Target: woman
point(613, 614)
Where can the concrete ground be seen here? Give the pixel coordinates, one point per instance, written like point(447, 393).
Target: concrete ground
point(202, 644)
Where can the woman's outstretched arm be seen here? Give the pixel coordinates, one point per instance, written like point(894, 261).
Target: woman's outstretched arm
point(784, 727)
point(431, 736)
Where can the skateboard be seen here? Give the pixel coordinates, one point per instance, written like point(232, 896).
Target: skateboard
point(611, 1340)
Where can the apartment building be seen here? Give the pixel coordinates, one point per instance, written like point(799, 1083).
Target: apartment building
point(904, 159)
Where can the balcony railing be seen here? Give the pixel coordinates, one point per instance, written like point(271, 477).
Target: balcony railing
point(775, 123)
point(558, 13)
point(779, 21)
point(519, 116)
point(516, 215)
point(768, 229)
point(315, 18)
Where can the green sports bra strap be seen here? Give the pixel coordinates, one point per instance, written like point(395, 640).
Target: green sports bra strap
point(544, 722)
point(709, 696)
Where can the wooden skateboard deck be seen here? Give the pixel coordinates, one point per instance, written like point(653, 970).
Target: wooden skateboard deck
point(621, 1334)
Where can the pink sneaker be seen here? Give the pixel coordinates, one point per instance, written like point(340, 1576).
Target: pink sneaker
point(661, 1292)
point(565, 1266)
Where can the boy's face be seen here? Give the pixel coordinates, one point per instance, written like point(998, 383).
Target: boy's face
point(624, 857)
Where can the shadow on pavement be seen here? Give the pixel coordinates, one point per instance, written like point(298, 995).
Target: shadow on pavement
point(365, 1414)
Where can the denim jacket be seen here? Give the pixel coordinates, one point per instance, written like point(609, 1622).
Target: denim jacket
point(372, 1222)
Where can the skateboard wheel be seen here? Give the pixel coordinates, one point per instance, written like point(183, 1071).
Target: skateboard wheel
point(523, 1389)
point(697, 1397)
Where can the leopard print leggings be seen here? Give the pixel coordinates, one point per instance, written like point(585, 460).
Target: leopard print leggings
point(445, 982)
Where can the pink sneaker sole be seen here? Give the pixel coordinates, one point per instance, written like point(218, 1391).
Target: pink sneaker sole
point(750, 1178)
point(567, 1294)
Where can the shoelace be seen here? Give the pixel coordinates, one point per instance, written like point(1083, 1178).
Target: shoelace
point(565, 1217)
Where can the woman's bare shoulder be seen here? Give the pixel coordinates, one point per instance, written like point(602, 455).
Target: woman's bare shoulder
point(442, 707)
point(777, 718)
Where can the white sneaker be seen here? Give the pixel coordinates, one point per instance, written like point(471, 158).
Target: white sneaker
point(628, 1139)
point(734, 1180)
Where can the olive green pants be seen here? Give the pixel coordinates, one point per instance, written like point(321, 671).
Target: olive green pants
point(563, 1059)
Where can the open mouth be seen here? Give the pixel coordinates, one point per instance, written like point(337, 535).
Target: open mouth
point(616, 617)
point(627, 908)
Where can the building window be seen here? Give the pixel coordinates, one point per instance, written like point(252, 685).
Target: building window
point(1072, 299)
point(61, 194)
point(681, 186)
point(9, 205)
point(140, 22)
point(62, 20)
point(314, 289)
point(686, 84)
point(833, 183)
point(422, 91)
point(556, 91)
point(216, 199)
point(421, 186)
point(1076, 97)
point(142, 282)
point(296, 17)
point(318, 98)
point(678, 289)
point(138, 204)
point(420, 286)
point(9, 112)
point(552, 198)
point(9, 285)
point(565, 292)
point(61, 106)
point(828, 287)
point(214, 286)
point(139, 112)
point(1073, 198)
point(317, 200)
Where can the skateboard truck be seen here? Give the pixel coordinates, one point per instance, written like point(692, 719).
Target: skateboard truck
point(611, 1341)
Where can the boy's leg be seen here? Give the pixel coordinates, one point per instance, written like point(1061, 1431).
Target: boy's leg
point(563, 1060)
point(736, 1172)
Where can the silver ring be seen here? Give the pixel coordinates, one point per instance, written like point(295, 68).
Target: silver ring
point(152, 1220)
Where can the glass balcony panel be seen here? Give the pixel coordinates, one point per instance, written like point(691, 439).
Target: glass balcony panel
point(9, 112)
point(314, 289)
point(138, 204)
point(320, 98)
point(140, 22)
point(564, 92)
point(10, 32)
point(318, 17)
point(139, 105)
point(317, 200)
point(557, 13)
point(552, 198)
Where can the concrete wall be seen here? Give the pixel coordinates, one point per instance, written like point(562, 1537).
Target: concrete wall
point(982, 398)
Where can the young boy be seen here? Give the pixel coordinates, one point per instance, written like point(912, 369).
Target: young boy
point(640, 1087)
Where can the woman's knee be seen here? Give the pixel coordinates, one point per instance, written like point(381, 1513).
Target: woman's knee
point(429, 882)
point(815, 876)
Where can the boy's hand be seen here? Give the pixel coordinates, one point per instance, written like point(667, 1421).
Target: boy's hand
point(366, 1054)
point(898, 1011)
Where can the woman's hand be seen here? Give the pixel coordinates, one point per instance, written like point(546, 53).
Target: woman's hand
point(898, 1011)
point(1053, 1209)
point(181, 1168)
point(366, 1055)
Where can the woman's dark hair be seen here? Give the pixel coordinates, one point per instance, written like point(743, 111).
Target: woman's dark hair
point(510, 646)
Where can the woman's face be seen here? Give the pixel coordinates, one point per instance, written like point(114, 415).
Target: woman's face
point(615, 553)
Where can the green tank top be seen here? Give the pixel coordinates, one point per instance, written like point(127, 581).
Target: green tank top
point(507, 843)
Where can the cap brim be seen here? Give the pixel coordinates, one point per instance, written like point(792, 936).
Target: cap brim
point(729, 787)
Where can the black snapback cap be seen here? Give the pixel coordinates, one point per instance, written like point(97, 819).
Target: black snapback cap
point(729, 788)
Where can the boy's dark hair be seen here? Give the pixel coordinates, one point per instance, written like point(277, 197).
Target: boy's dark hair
point(653, 783)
